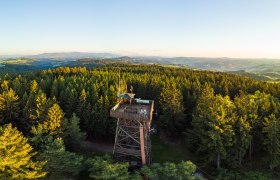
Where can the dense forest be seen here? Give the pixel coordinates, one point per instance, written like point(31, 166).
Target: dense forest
point(229, 122)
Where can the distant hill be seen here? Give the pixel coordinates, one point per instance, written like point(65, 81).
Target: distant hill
point(73, 55)
point(262, 69)
point(10, 61)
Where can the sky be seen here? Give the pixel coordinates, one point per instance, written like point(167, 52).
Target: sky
point(193, 28)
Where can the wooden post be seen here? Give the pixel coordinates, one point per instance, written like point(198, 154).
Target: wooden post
point(116, 136)
point(142, 144)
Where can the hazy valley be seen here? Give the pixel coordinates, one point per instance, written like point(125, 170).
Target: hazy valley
point(261, 69)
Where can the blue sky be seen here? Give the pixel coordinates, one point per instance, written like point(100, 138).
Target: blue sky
point(205, 28)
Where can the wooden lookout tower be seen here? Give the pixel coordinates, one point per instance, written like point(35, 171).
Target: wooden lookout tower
point(132, 141)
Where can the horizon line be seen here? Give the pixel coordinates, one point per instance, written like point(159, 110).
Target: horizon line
point(131, 54)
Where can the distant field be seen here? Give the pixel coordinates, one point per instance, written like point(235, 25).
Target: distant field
point(260, 69)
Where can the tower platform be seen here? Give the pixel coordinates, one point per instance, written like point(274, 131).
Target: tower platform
point(132, 141)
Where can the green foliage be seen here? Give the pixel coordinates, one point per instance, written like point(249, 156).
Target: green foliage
point(38, 113)
point(34, 86)
point(212, 124)
point(53, 123)
point(225, 174)
point(229, 122)
point(150, 171)
point(170, 152)
point(16, 156)
point(171, 103)
point(246, 113)
point(8, 106)
point(272, 140)
point(102, 122)
point(180, 171)
point(60, 163)
point(72, 134)
point(104, 168)
point(256, 175)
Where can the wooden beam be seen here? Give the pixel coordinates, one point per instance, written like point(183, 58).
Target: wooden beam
point(130, 135)
point(117, 135)
point(142, 144)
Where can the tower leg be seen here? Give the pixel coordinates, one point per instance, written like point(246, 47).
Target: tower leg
point(116, 136)
point(142, 144)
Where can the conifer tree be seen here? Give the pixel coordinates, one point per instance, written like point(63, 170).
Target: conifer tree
point(81, 109)
point(171, 103)
point(104, 168)
point(5, 85)
point(54, 89)
point(29, 106)
point(33, 86)
point(17, 86)
point(9, 107)
point(212, 123)
point(16, 156)
point(272, 140)
point(42, 106)
point(61, 164)
point(72, 134)
point(72, 101)
point(53, 123)
point(167, 171)
point(245, 112)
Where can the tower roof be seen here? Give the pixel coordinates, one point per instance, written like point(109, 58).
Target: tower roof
point(127, 96)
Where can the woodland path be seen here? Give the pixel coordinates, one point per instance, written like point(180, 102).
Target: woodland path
point(101, 147)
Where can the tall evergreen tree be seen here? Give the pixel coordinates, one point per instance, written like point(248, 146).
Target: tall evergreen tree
point(9, 106)
point(16, 156)
point(245, 113)
point(33, 86)
point(212, 123)
point(72, 134)
point(5, 85)
point(61, 164)
point(272, 140)
point(171, 103)
point(104, 168)
point(53, 123)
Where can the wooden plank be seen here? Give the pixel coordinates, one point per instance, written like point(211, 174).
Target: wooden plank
point(130, 135)
point(142, 143)
point(116, 136)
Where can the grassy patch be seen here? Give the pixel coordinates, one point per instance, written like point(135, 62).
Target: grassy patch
point(162, 152)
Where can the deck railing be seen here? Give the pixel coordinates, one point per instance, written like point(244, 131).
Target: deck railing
point(127, 115)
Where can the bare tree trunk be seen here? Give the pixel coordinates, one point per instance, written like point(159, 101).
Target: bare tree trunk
point(218, 161)
point(250, 150)
point(240, 158)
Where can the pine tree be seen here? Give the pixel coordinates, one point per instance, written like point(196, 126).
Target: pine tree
point(34, 87)
point(81, 109)
point(60, 164)
point(16, 156)
point(54, 89)
point(171, 103)
point(28, 104)
point(72, 101)
point(104, 168)
point(5, 85)
point(272, 140)
point(72, 134)
point(53, 123)
point(245, 111)
point(167, 171)
point(17, 86)
point(241, 141)
point(212, 123)
point(9, 107)
point(42, 106)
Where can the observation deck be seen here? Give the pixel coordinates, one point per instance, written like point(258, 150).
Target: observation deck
point(137, 109)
